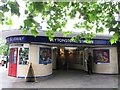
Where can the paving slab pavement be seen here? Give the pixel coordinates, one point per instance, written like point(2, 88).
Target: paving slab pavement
point(61, 79)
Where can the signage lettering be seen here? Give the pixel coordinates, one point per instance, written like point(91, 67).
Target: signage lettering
point(45, 39)
point(61, 40)
point(15, 39)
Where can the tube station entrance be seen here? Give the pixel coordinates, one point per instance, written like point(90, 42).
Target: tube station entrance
point(60, 54)
point(67, 58)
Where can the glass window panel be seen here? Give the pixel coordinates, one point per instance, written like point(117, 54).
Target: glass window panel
point(23, 56)
point(15, 56)
point(10, 55)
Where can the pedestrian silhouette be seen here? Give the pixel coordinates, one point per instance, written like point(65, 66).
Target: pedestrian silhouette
point(90, 64)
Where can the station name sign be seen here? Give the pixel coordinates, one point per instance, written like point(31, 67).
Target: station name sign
point(44, 39)
point(15, 39)
point(61, 40)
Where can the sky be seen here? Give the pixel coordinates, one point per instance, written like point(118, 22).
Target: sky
point(18, 21)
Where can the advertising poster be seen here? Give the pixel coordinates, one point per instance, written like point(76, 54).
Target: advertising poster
point(101, 55)
point(45, 55)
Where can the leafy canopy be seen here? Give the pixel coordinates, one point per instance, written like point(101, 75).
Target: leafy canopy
point(3, 48)
point(94, 17)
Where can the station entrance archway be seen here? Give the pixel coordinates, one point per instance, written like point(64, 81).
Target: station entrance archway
point(67, 58)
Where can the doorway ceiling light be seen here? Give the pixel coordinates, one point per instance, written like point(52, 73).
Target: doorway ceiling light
point(70, 48)
point(54, 47)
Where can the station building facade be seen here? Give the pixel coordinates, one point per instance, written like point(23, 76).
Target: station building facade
point(59, 54)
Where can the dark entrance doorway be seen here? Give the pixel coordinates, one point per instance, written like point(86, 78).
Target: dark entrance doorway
point(65, 58)
point(61, 59)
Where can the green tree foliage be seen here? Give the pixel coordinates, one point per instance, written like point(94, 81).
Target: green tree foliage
point(94, 16)
point(3, 48)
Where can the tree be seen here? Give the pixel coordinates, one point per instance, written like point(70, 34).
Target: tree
point(94, 17)
point(3, 48)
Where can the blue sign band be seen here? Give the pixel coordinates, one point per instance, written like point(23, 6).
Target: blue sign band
point(45, 39)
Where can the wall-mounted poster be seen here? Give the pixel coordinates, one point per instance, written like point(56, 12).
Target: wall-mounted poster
point(23, 56)
point(45, 55)
point(101, 55)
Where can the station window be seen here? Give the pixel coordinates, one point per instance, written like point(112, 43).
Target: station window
point(23, 56)
point(45, 55)
point(15, 56)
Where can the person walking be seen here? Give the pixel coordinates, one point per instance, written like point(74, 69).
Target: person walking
point(89, 64)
